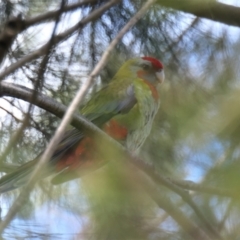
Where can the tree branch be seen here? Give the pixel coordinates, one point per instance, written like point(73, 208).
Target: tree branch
point(13, 140)
point(167, 205)
point(12, 28)
point(51, 15)
point(157, 178)
point(48, 104)
point(189, 185)
point(209, 9)
point(16, 25)
point(56, 39)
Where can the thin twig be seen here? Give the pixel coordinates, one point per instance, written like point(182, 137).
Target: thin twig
point(11, 29)
point(57, 39)
point(150, 171)
point(164, 202)
point(16, 25)
point(189, 185)
point(12, 142)
point(213, 10)
point(65, 73)
point(51, 15)
point(44, 62)
point(18, 120)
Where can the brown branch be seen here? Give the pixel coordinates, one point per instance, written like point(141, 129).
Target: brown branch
point(150, 171)
point(189, 185)
point(209, 9)
point(164, 202)
point(13, 90)
point(57, 39)
point(58, 109)
point(13, 140)
point(51, 15)
point(16, 25)
point(12, 28)
point(48, 104)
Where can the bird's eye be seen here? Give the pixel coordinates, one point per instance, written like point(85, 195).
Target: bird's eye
point(145, 66)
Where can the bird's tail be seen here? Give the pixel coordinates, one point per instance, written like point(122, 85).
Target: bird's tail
point(17, 178)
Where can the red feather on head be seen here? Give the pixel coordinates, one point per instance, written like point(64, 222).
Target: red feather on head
point(156, 63)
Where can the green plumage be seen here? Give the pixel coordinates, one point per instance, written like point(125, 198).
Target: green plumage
point(130, 100)
point(108, 104)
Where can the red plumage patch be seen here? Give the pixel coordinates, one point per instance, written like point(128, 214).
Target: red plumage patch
point(83, 154)
point(78, 156)
point(153, 90)
point(156, 63)
point(115, 130)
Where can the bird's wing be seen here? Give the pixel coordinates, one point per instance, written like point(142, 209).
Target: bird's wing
point(108, 102)
point(21, 175)
point(17, 178)
point(105, 104)
point(141, 93)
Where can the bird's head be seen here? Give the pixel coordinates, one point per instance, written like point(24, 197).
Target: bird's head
point(151, 70)
point(147, 68)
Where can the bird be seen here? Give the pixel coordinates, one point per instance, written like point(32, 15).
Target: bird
point(125, 109)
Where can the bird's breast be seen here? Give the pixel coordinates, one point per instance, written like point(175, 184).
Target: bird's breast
point(116, 130)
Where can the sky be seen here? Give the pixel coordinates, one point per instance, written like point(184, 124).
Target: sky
point(231, 2)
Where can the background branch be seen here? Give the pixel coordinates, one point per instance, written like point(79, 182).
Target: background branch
point(55, 40)
point(16, 25)
point(209, 9)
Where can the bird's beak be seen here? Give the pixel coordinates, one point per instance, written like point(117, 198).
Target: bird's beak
point(160, 76)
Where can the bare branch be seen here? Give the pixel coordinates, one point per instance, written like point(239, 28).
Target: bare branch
point(150, 171)
point(16, 25)
point(48, 104)
point(13, 90)
point(12, 142)
point(12, 28)
point(209, 9)
point(51, 15)
point(189, 185)
point(57, 39)
point(166, 204)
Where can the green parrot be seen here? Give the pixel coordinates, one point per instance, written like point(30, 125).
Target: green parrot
point(124, 109)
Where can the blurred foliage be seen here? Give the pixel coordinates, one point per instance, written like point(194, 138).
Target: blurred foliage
point(195, 134)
